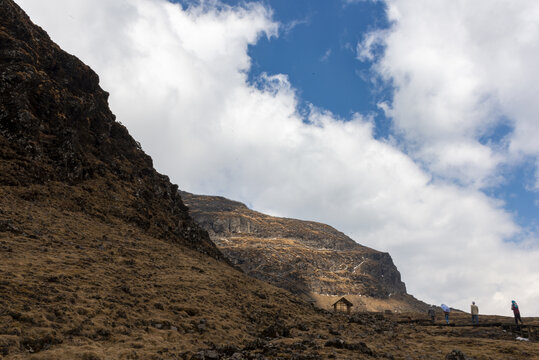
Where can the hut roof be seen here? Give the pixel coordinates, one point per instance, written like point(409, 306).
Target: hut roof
point(344, 300)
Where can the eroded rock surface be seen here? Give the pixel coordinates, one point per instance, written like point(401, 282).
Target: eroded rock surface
point(301, 256)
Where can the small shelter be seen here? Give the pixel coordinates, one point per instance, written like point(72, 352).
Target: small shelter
point(342, 305)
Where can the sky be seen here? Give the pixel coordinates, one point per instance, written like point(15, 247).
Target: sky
point(410, 126)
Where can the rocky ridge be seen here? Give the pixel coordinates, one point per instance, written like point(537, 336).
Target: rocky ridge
point(309, 259)
point(56, 126)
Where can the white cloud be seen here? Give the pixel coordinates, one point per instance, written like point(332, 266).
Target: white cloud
point(372, 41)
point(325, 57)
point(178, 80)
point(291, 25)
point(350, 2)
point(460, 69)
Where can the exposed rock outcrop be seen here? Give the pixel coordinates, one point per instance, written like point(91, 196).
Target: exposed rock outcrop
point(56, 127)
point(301, 256)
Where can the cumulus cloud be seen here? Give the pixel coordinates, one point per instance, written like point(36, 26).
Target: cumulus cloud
point(178, 80)
point(461, 71)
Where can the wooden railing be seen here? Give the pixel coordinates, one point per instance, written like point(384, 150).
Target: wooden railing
point(525, 331)
point(530, 332)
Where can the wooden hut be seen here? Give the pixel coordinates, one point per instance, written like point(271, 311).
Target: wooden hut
point(343, 305)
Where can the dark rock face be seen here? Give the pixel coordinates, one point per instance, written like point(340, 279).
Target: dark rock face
point(300, 256)
point(56, 127)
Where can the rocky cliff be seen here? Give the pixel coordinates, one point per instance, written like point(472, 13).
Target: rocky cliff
point(56, 127)
point(304, 257)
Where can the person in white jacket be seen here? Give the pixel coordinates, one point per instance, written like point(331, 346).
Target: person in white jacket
point(475, 313)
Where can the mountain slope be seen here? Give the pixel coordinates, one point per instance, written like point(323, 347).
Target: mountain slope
point(100, 259)
point(56, 126)
point(309, 259)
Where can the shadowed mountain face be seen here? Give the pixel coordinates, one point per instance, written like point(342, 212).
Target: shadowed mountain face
point(56, 127)
point(301, 256)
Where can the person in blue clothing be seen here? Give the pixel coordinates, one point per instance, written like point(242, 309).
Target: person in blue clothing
point(446, 310)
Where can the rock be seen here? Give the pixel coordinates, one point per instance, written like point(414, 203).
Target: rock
point(40, 339)
point(201, 327)
point(102, 334)
point(336, 343)
point(258, 343)
point(261, 295)
point(90, 356)
point(457, 355)
point(228, 350)
point(211, 355)
point(276, 330)
point(341, 344)
point(7, 226)
point(301, 268)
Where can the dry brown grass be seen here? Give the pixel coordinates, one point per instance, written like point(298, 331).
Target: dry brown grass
point(400, 304)
point(77, 287)
point(99, 259)
point(70, 281)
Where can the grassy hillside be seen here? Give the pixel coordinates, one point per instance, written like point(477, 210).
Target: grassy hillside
point(100, 259)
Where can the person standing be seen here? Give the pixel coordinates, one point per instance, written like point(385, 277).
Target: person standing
point(475, 313)
point(446, 310)
point(516, 312)
point(432, 314)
